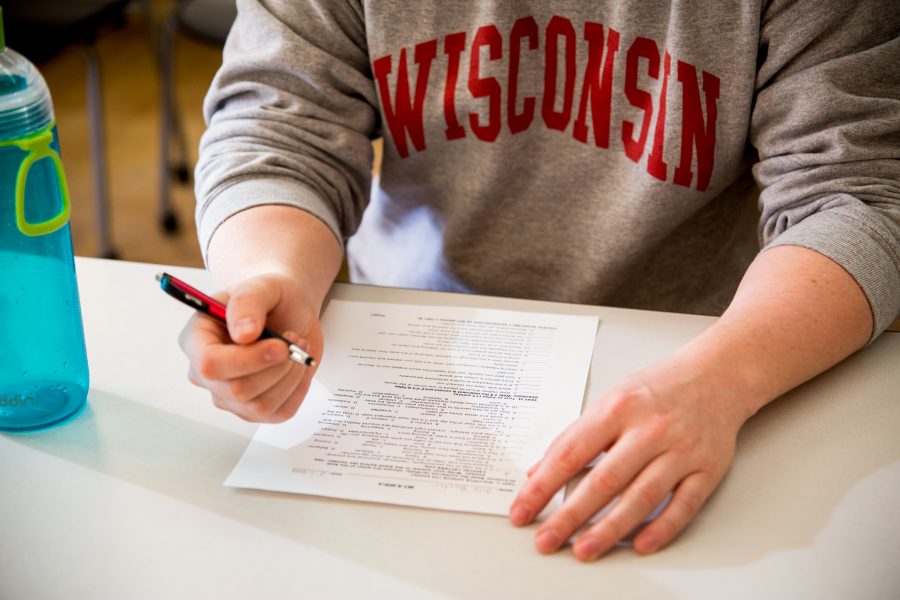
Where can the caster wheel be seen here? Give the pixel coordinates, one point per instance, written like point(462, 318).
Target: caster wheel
point(182, 174)
point(169, 223)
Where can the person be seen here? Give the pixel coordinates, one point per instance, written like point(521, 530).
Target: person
point(626, 153)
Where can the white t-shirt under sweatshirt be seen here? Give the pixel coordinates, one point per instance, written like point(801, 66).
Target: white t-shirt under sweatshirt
point(635, 153)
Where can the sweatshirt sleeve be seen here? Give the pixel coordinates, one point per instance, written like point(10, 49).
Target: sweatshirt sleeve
point(826, 124)
point(290, 116)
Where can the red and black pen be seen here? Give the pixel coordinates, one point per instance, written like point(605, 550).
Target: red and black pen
point(215, 309)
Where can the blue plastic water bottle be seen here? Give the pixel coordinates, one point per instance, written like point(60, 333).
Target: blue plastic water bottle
point(43, 362)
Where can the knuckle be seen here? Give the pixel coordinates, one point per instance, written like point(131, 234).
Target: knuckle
point(615, 528)
point(604, 483)
point(569, 519)
point(619, 404)
point(277, 417)
point(220, 402)
point(690, 502)
point(194, 378)
point(257, 411)
point(284, 412)
point(536, 489)
point(646, 495)
point(665, 528)
point(206, 367)
point(655, 431)
point(239, 390)
point(605, 533)
point(243, 292)
point(246, 418)
point(685, 446)
point(566, 457)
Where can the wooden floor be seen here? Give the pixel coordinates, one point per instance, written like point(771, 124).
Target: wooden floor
point(130, 93)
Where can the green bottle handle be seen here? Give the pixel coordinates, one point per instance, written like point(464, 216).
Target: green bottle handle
point(38, 148)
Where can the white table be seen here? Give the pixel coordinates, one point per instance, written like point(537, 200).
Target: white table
point(127, 501)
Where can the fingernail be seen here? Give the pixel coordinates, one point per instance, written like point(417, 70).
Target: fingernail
point(588, 550)
point(547, 541)
point(645, 544)
point(520, 514)
point(244, 326)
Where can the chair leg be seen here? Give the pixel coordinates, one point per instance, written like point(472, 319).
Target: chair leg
point(98, 149)
point(168, 124)
point(179, 168)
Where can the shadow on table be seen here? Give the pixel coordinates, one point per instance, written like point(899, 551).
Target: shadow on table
point(797, 476)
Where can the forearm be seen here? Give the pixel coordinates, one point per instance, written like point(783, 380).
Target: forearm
point(795, 314)
point(276, 239)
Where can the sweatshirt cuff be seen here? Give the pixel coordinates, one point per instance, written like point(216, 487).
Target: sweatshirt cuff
point(260, 192)
point(863, 252)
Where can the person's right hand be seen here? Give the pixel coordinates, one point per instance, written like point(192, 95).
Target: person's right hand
point(255, 379)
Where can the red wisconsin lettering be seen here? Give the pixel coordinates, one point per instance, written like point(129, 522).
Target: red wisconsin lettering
point(403, 115)
point(694, 132)
point(655, 164)
point(558, 27)
point(640, 48)
point(454, 44)
point(523, 28)
point(597, 87)
point(489, 87)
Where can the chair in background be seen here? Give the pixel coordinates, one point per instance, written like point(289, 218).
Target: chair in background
point(205, 20)
point(40, 29)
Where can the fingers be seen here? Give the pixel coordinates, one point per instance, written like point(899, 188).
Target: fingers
point(255, 381)
point(600, 486)
point(251, 386)
point(274, 404)
point(690, 495)
point(249, 305)
point(565, 458)
point(638, 501)
point(651, 451)
point(227, 362)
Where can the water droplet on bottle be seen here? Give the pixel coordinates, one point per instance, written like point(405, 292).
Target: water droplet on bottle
point(65, 364)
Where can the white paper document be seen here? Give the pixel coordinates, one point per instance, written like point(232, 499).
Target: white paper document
point(433, 406)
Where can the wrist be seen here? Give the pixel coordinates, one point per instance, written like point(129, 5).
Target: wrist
point(278, 240)
point(728, 369)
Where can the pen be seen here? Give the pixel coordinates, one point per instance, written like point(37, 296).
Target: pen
point(215, 309)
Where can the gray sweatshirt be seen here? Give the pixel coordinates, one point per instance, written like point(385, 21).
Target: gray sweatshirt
point(634, 153)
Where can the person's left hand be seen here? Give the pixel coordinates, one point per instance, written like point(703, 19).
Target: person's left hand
point(671, 427)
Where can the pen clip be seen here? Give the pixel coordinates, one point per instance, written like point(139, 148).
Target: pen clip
point(183, 292)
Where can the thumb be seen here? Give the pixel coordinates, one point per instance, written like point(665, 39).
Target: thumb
point(247, 308)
